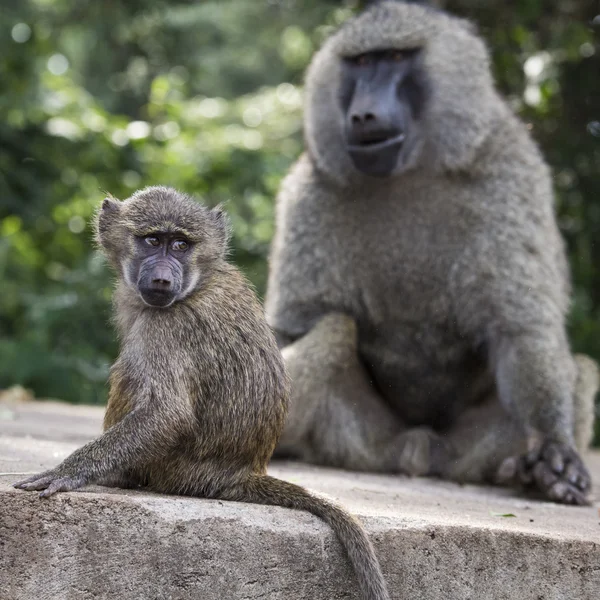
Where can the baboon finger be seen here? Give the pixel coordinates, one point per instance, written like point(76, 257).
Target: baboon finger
point(65, 484)
point(21, 484)
point(38, 483)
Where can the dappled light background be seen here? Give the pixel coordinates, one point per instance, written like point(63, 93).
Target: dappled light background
point(206, 96)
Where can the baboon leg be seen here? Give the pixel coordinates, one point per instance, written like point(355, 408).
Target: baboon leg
point(338, 419)
point(336, 416)
point(486, 443)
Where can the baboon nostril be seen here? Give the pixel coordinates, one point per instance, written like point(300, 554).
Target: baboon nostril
point(161, 282)
point(362, 118)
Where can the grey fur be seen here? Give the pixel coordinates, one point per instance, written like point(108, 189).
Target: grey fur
point(451, 273)
point(199, 392)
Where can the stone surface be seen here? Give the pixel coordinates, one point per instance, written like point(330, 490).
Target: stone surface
point(436, 540)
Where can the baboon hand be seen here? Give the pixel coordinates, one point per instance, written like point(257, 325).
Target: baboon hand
point(51, 482)
point(557, 471)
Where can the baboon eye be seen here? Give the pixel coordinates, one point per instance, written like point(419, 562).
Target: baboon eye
point(152, 240)
point(397, 56)
point(362, 60)
point(180, 245)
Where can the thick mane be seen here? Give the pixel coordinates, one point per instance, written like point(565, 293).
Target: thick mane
point(462, 105)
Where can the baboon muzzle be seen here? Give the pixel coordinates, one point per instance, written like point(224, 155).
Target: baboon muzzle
point(158, 286)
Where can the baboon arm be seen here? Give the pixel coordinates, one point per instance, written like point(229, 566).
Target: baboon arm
point(511, 294)
point(128, 445)
point(535, 376)
point(536, 381)
point(516, 304)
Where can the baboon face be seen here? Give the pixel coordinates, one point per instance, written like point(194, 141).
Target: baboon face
point(381, 96)
point(398, 87)
point(159, 269)
point(164, 244)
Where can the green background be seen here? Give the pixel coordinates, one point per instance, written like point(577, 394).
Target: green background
point(108, 96)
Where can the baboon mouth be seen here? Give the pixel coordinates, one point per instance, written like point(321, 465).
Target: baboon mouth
point(157, 298)
point(377, 158)
point(377, 143)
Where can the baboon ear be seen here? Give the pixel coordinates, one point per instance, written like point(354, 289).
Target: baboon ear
point(221, 224)
point(105, 218)
point(110, 204)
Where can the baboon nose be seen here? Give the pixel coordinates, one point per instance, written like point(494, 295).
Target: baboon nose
point(362, 118)
point(162, 279)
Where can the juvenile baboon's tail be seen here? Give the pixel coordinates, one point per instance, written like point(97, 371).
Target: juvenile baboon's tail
point(276, 492)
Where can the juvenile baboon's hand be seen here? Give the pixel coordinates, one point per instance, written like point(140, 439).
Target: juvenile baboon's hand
point(557, 471)
point(51, 482)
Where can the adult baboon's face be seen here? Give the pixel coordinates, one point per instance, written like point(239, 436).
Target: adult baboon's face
point(398, 87)
point(381, 95)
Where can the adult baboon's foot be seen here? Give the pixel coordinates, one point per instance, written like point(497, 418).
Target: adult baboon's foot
point(419, 451)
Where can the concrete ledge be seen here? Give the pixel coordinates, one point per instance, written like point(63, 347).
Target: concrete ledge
point(435, 540)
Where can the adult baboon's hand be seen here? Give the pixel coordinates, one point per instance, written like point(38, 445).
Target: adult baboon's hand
point(558, 472)
point(554, 469)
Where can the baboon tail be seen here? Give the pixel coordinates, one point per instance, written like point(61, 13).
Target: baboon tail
point(276, 492)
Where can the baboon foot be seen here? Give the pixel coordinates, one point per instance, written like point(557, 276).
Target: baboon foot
point(419, 452)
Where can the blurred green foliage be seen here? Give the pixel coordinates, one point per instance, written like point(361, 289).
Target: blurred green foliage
point(206, 96)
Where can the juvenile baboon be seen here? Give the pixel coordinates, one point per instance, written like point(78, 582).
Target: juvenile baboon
point(418, 280)
point(199, 393)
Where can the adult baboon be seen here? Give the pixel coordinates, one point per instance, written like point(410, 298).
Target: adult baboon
point(418, 282)
point(199, 393)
